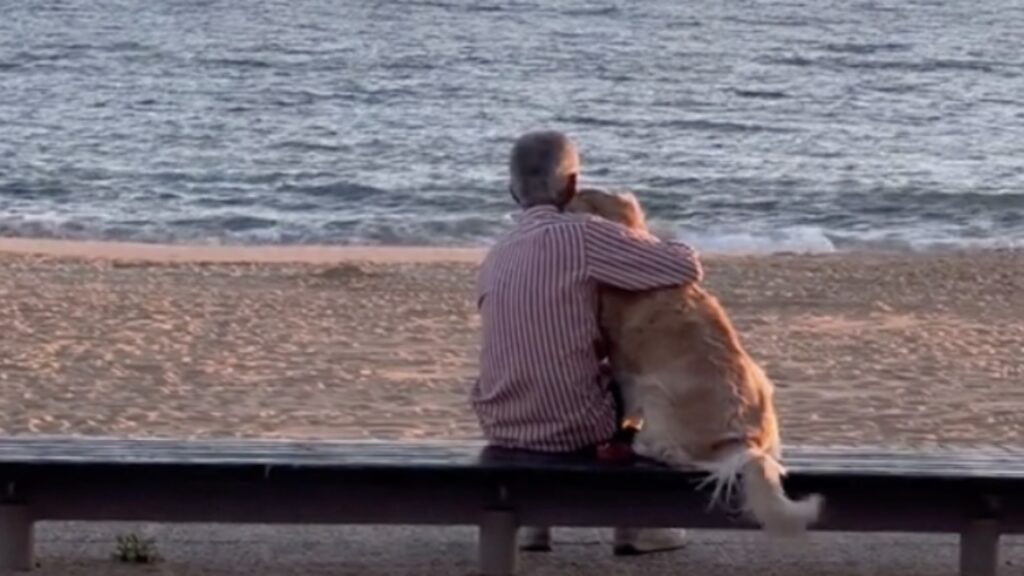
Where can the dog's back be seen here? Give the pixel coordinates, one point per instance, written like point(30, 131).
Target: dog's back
point(703, 401)
point(683, 337)
point(683, 340)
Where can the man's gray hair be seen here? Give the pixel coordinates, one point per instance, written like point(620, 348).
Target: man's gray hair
point(541, 166)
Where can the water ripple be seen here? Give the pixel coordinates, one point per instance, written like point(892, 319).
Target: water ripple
point(791, 123)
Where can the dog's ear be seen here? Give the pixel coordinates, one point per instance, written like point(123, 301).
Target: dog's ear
point(630, 198)
point(635, 214)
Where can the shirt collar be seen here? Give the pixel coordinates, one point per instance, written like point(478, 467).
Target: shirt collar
point(535, 212)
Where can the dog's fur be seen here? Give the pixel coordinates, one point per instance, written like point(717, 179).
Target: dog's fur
point(701, 399)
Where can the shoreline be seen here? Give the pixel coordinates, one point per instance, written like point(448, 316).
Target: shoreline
point(235, 254)
point(319, 254)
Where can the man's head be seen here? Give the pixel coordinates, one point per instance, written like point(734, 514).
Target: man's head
point(543, 169)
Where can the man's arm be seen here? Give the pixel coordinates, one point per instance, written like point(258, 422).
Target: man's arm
point(621, 258)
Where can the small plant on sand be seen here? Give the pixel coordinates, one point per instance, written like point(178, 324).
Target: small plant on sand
point(132, 549)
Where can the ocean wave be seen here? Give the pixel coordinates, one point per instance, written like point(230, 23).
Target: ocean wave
point(610, 10)
point(814, 240)
point(348, 191)
point(763, 94)
point(228, 223)
point(723, 126)
point(929, 65)
point(307, 146)
point(795, 240)
point(909, 65)
point(866, 48)
point(593, 121)
point(925, 202)
point(41, 189)
point(228, 62)
point(470, 232)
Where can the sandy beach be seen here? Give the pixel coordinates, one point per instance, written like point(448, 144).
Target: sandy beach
point(137, 340)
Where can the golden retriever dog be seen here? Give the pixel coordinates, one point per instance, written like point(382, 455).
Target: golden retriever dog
point(699, 398)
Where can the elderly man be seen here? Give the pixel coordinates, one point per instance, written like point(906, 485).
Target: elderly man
point(541, 386)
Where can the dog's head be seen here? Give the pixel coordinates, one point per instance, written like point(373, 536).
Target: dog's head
point(621, 207)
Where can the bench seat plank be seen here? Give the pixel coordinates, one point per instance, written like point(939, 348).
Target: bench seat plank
point(977, 492)
point(861, 485)
point(987, 462)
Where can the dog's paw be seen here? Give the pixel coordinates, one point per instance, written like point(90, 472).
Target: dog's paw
point(645, 449)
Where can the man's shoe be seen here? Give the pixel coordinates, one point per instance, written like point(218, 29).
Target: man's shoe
point(636, 541)
point(535, 540)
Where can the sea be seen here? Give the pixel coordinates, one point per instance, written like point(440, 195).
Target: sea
point(741, 125)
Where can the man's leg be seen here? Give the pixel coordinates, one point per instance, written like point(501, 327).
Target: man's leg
point(535, 539)
point(538, 538)
point(626, 541)
point(635, 541)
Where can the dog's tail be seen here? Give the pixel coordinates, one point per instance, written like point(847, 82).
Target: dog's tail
point(761, 490)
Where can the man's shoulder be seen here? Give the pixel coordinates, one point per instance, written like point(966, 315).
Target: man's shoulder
point(564, 230)
point(562, 222)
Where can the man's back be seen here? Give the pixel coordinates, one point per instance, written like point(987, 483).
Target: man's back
point(540, 384)
point(540, 387)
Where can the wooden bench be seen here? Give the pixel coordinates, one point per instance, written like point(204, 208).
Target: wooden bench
point(978, 494)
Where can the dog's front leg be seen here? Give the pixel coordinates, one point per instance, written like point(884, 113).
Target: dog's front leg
point(632, 402)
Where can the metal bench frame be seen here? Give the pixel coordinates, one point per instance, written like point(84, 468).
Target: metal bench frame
point(978, 493)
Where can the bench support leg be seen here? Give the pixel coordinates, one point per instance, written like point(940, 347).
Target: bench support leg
point(497, 541)
point(15, 538)
point(979, 548)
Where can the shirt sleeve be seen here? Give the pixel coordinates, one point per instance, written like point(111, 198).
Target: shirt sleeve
point(619, 257)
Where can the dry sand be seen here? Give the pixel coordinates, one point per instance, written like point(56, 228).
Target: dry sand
point(356, 343)
point(361, 342)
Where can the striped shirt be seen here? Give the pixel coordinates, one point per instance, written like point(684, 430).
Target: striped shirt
point(540, 385)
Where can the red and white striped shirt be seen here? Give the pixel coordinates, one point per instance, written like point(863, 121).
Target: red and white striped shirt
point(540, 384)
